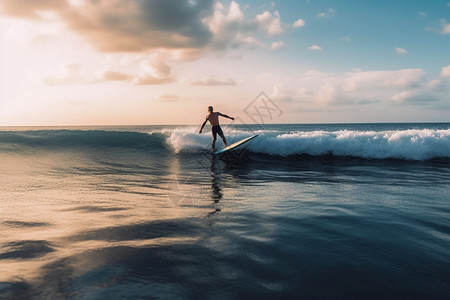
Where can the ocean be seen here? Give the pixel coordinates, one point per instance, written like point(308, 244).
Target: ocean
point(307, 211)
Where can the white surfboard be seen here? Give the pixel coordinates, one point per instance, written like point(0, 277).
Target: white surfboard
point(235, 145)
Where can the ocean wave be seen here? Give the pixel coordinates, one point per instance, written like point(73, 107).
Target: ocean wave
point(56, 139)
point(414, 144)
point(405, 144)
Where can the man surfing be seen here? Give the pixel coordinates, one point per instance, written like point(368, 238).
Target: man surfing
point(213, 118)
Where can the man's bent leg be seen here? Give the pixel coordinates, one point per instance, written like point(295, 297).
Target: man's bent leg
point(214, 144)
point(223, 139)
point(214, 138)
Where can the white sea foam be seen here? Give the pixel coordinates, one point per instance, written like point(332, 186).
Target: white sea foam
point(404, 144)
point(188, 139)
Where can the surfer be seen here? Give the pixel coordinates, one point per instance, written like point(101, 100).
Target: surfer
point(213, 118)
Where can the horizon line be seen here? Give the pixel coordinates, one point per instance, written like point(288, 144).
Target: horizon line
point(308, 123)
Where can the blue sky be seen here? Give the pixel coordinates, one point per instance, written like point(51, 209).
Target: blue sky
point(364, 34)
point(82, 62)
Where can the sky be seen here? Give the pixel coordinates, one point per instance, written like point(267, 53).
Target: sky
point(151, 62)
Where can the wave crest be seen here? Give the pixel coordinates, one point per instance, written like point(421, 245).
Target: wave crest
point(406, 144)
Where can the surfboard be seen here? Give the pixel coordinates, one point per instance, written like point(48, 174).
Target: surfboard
point(235, 145)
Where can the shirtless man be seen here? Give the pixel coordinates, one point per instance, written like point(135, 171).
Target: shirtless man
point(213, 118)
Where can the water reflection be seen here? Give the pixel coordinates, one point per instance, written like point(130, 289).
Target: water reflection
point(216, 181)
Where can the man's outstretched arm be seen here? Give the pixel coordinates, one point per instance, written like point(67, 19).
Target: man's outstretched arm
point(223, 115)
point(203, 125)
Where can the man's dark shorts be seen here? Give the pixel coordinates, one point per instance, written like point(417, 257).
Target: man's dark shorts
point(216, 130)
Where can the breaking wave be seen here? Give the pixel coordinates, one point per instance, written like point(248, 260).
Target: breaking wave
point(406, 144)
point(413, 144)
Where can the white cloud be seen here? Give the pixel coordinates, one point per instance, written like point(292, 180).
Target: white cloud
point(110, 75)
point(414, 97)
point(346, 39)
point(299, 23)
point(226, 26)
point(422, 14)
point(230, 29)
point(327, 13)
point(268, 23)
point(315, 48)
point(129, 59)
point(317, 89)
point(277, 45)
point(384, 79)
point(445, 72)
point(401, 51)
point(214, 82)
point(436, 84)
point(153, 71)
point(402, 96)
point(445, 27)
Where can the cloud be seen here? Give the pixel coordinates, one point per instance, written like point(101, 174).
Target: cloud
point(153, 71)
point(436, 84)
point(109, 75)
point(402, 96)
point(72, 74)
point(445, 27)
point(327, 13)
point(229, 28)
point(357, 79)
point(414, 97)
point(269, 24)
point(445, 72)
point(214, 82)
point(422, 14)
point(401, 51)
point(357, 87)
point(123, 25)
point(126, 25)
point(184, 29)
point(235, 57)
point(30, 9)
point(346, 39)
point(299, 23)
point(69, 74)
point(315, 48)
point(277, 45)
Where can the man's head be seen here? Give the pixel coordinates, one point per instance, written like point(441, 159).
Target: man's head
point(210, 109)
